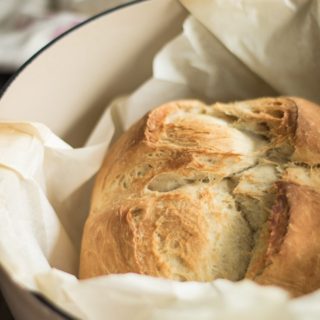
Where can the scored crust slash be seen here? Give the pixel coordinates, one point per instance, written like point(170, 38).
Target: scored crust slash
point(200, 192)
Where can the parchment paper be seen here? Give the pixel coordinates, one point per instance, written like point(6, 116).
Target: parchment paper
point(231, 50)
point(278, 40)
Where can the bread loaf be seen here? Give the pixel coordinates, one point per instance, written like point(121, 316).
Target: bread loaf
point(198, 192)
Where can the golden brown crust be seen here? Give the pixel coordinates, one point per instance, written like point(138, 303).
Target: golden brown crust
point(292, 258)
point(133, 226)
point(306, 139)
point(277, 115)
point(172, 199)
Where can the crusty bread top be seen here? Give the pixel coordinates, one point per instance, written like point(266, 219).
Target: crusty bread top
point(197, 192)
point(292, 256)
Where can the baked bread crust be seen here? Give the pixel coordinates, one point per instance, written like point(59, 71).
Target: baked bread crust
point(292, 259)
point(197, 192)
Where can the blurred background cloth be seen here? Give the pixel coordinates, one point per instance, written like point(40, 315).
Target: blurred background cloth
point(27, 25)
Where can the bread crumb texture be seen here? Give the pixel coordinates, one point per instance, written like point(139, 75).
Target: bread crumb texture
point(200, 192)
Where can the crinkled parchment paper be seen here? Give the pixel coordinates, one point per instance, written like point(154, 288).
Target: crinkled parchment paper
point(229, 50)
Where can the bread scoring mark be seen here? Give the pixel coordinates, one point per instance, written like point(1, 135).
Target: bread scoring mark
point(196, 135)
point(295, 264)
point(263, 116)
point(172, 181)
point(174, 126)
point(166, 182)
point(254, 193)
point(224, 219)
point(278, 221)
